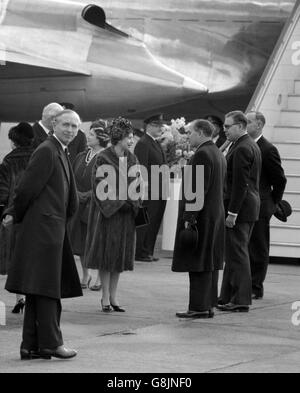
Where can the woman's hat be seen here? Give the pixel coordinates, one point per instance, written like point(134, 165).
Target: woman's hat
point(283, 211)
point(25, 130)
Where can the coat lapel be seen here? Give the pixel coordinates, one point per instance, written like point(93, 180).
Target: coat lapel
point(157, 146)
point(62, 157)
point(235, 145)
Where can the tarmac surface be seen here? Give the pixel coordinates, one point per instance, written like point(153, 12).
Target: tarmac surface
point(148, 338)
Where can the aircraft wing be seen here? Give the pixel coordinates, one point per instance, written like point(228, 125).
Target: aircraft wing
point(23, 59)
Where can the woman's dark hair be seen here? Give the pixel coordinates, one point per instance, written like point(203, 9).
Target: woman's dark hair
point(21, 135)
point(101, 130)
point(137, 132)
point(120, 129)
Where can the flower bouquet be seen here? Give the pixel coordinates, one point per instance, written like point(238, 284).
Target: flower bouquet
point(175, 143)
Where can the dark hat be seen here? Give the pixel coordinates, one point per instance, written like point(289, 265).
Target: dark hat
point(188, 237)
point(21, 135)
point(283, 211)
point(158, 118)
point(214, 120)
point(25, 130)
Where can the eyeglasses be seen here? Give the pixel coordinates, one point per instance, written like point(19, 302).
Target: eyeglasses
point(227, 126)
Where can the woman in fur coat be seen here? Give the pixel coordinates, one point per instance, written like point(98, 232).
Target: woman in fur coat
point(110, 245)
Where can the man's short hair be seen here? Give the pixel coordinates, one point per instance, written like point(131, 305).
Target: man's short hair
point(259, 116)
point(205, 126)
point(238, 117)
point(67, 111)
point(51, 110)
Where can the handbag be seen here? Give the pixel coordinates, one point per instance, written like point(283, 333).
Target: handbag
point(188, 237)
point(142, 218)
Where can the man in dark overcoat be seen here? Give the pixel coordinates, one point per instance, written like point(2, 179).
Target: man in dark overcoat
point(271, 189)
point(150, 153)
point(203, 261)
point(43, 266)
point(242, 205)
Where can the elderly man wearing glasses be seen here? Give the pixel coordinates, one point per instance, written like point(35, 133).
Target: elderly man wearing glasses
point(242, 205)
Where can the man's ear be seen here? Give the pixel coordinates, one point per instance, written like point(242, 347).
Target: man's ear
point(260, 124)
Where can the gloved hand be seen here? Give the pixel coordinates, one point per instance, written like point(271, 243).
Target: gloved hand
point(7, 221)
point(189, 217)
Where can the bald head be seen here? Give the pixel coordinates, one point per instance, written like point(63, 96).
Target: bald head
point(49, 113)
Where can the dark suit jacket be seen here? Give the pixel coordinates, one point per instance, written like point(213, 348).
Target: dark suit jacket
point(272, 180)
point(46, 196)
point(243, 176)
point(221, 139)
point(39, 135)
point(149, 153)
point(209, 255)
point(77, 145)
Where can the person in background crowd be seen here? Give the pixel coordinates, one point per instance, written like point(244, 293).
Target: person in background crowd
point(43, 266)
point(149, 153)
point(137, 135)
point(110, 242)
point(271, 189)
point(97, 140)
point(204, 260)
point(242, 205)
point(219, 137)
point(79, 143)
point(11, 170)
point(43, 128)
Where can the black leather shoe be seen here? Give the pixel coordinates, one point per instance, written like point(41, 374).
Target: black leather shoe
point(144, 259)
point(230, 307)
point(59, 353)
point(26, 354)
point(106, 308)
point(196, 314)
point(256, 297)
point(117, 308)
point(19, 307)
point(154, 259)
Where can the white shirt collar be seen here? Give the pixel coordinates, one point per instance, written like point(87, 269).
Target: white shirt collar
point(44, 128)
point(151, 136)
point(257, 139)
point(64, 147)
